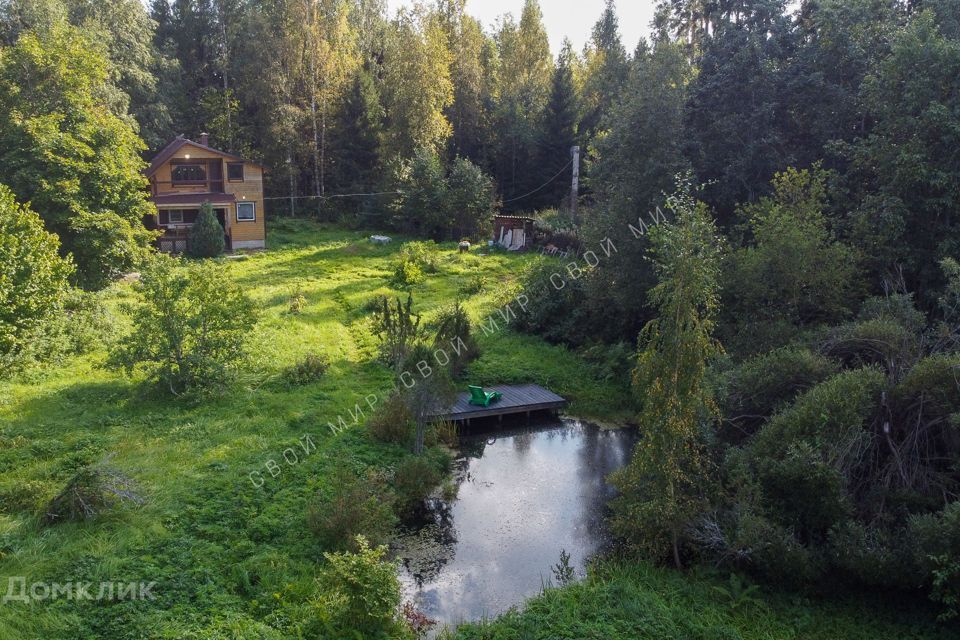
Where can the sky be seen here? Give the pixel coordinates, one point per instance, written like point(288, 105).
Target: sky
point(571, 18)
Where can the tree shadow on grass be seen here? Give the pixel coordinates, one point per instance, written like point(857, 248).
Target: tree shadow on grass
point(317, 262)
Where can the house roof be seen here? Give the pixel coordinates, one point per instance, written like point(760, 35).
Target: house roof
point(193, 198)
point(178, 143)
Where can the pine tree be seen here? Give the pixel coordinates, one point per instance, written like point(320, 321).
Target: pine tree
point(559, 132)
point(606, 72)
point(525, 72)
point(206, 235)
point(357, 135)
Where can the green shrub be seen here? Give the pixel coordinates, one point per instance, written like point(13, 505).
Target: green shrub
point(398, 329)
point(937, 551)
point(806, 494)
point(935, 381)
point(374, 304)
point(308, 369)
point(190, 328)
point(33, 280)
point(359, 595)
point(298, 301)
point(421, 203)
point(423, 254)
point(85, 323)
point(470, 200)
point(830, 416)
point(18, 495)
point(206, 239)
point(766, 383)
point(774, 551)
point(555, 310)
point(406, 273)
point(877, 341)
point(454, 336)
point(874, 556)
point(352, 505)
point(769, 281)
point(413, 480)
point(443, 204)
point(946, 585)
point(558, 228)
point(613, 362)
point(392, 422)
point(447, 432)
point(477, 283)
point(897, 307)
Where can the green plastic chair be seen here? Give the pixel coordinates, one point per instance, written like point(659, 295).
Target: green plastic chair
point(483, 398)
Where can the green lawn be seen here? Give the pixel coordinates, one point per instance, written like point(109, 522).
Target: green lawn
point(632, 601)
point(231, 560)
point(223, 552)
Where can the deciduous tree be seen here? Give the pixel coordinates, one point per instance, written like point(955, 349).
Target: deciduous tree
point(71, 157)
point(665, 484)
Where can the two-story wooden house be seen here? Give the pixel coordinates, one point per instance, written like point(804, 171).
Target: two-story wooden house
point(186, 174)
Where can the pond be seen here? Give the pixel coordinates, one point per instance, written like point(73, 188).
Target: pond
point(522, 497)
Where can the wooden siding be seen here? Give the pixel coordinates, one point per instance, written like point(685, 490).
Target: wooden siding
point(250, 190)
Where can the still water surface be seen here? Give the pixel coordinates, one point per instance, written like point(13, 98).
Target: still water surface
point(523, 496)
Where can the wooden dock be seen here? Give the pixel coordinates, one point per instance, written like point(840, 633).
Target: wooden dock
point(517, 399)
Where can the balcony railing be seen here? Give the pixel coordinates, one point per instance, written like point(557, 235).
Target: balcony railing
point(209, 186)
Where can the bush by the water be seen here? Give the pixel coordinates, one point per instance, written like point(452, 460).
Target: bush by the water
point(206, 239)
point(359, 596)
point(352, 505)
point(413, 480)
point(839, 463)
point(393, 421)
point(455, 337)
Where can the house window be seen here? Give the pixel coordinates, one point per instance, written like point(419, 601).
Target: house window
point(246, 211)
point(235, 171)
point(171, 217)
point(187, 174)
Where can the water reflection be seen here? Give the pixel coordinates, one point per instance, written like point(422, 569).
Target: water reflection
point(523, 496)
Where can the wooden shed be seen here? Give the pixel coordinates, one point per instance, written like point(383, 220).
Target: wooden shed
point(513, 232)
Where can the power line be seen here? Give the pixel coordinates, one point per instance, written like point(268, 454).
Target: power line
point(541, 186)
point(382, 193)
point(336, 195)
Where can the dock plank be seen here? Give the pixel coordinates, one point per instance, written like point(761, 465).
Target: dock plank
point(516, 399)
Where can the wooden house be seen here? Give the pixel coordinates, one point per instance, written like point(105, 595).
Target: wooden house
point(186, 174)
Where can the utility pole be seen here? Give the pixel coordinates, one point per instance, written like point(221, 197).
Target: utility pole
point(575, 184)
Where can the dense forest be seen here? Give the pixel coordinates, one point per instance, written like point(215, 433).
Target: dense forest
point(763, 256)
point(338, 98)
